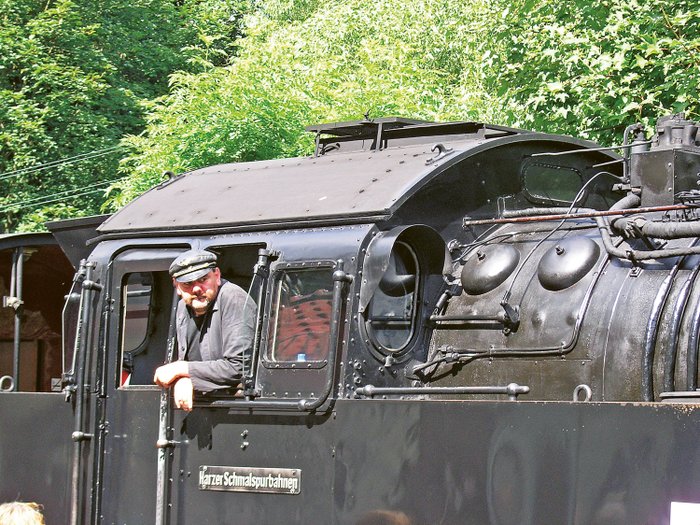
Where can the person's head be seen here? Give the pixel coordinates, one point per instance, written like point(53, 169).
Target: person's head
point(384, 517)
point(196, 279)
point(21, 513)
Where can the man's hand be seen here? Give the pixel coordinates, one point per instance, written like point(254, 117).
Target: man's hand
point(166, 375)
point(183, 393)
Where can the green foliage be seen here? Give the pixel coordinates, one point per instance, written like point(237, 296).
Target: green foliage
point(595, 66)
point(283, 11)
point(214, 28)
point(47, 93)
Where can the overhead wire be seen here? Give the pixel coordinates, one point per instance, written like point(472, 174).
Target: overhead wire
point(63, 196)
point(62, 162)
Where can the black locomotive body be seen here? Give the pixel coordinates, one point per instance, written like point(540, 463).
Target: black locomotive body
point(457, 323)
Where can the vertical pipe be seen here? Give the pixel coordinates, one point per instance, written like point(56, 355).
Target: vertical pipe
point(81, 390)
point(692, 353)
point(262, 271)
point(164, 444)
point(340, 281)
point(16, 285)
point(671, 351)
point(693, 342)
point(378, 140)
point(671, 354)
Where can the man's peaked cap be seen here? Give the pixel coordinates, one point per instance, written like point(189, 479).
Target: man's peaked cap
point(192, 265)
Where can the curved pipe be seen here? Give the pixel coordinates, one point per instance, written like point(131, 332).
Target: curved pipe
point(638, 255)
point(671, 352)
point(651, 334)
point(632, 200)
point(692, 355)
point(659, 230)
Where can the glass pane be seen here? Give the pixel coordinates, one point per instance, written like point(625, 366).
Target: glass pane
point(136, 305)
point(303, 315)
point(551, 183)
point(391, 310)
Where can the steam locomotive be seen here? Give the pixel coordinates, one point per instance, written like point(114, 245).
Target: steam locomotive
point(457, 323)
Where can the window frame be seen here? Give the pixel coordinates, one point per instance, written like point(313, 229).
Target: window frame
point(278, 272)
point(130, 260)
point(434, 262)
point(541, 199)
point(123, 306)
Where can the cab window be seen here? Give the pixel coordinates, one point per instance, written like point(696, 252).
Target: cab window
point(136, 305)
point(145, 302)
point(551, 184)
point(300, 326)
point(146, 299)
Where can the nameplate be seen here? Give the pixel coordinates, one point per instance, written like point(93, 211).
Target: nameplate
point(250, 479)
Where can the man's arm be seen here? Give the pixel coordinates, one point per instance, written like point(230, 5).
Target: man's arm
point(167, 374)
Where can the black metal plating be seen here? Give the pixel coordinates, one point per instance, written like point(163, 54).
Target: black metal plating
point(596, 327)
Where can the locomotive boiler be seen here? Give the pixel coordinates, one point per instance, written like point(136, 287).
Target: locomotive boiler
point(457, 323)
point(582, 283)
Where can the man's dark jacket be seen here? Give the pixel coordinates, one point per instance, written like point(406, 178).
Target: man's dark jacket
point(227, 333)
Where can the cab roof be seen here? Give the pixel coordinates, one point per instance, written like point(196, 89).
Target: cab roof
point(335, 186)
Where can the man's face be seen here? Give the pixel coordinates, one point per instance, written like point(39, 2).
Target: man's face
point(199, 294)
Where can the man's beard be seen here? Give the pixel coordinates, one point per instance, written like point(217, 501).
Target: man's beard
point(199, 305)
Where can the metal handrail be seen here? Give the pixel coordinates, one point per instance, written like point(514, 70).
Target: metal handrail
point(79, 435)
point(513, 390)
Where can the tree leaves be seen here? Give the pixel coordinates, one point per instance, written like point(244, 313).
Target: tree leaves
point(73, 79)
point(617, 62)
